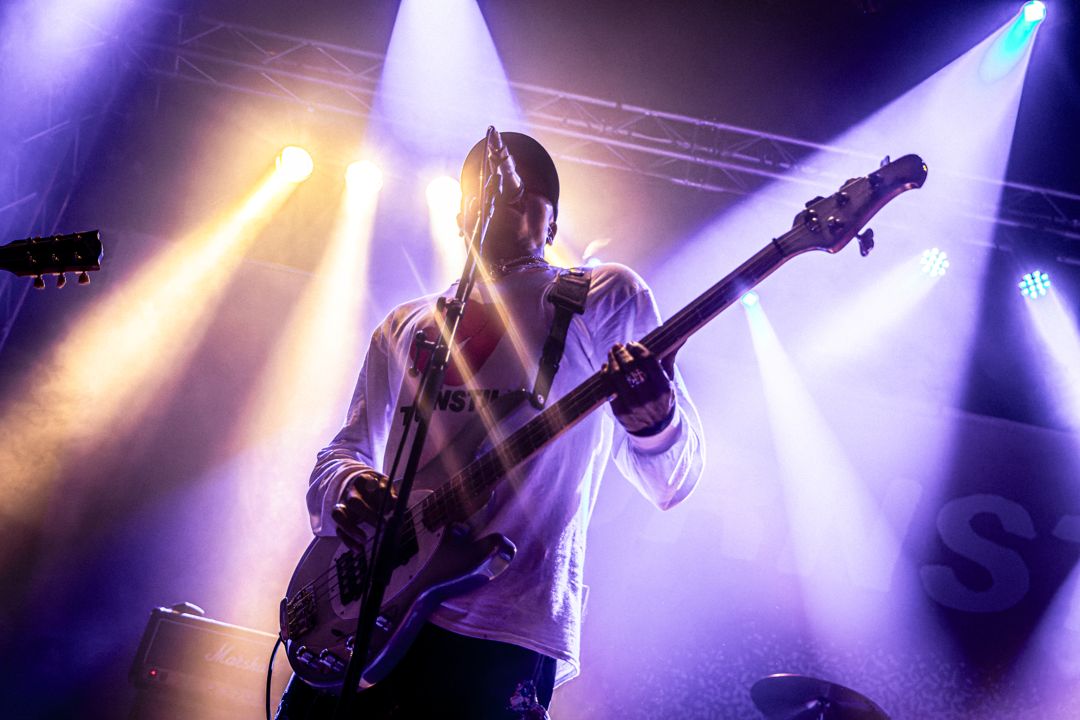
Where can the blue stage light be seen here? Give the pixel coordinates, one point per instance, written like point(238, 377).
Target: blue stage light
point(750, 299)
point(1013, 43)
point(1034, 11)
point(1034, 284)
point(934, 262)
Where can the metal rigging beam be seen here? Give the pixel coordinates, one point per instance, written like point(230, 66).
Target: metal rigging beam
point(688, 151)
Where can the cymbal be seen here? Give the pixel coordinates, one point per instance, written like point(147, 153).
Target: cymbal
point(798, 697)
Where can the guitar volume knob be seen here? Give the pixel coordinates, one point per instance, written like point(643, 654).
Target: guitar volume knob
point(866, 242)
point(331, 662)
point(306, 656)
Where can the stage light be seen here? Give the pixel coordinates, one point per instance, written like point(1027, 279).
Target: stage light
point(466, 88)
point(444, 201)
point(444, 193)
point(591, 256)
point(750, 299)
point(1013, 44)
point(296, 406)
point(131, 350)
point(934, 262)
point(1034, 284)
point(363, 176)
point(295, 164)
point(819, 486)
point(1034, 11)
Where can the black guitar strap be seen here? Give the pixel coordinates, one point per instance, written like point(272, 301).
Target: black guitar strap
point(568, 296)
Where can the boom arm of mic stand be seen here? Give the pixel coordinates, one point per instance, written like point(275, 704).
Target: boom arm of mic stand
point(385, 545)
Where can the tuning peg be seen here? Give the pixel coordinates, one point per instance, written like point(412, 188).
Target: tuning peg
point(39, 282)
point(84, 279)
point(866, 241)
point(61, 281)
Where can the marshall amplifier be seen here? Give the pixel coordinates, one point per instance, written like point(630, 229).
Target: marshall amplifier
point(189, 666)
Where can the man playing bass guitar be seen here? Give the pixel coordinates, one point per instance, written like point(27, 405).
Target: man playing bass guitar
point(488, 653)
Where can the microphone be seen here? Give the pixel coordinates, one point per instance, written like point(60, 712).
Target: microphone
point(511, 187)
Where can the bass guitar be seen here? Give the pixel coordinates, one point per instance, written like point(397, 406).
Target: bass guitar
point(437, 558)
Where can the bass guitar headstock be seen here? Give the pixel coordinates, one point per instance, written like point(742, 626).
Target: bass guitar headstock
point(830, 223)
point(36, 257)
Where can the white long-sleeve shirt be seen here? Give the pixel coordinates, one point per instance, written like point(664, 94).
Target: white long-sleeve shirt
point(544, 505)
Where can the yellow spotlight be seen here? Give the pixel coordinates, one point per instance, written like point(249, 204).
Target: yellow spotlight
point(296, 407)
point(364, 177)
point(444, 201)
point(560, 256)
point(127, 353)
point(444, 194)
point(562, 252)
point(295, 164)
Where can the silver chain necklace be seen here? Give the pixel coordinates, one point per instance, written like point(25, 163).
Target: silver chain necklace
point(498, 270)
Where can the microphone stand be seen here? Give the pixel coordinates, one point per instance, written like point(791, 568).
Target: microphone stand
point(385, 544)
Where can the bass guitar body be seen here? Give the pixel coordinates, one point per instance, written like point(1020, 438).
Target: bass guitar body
point(320, 609)
point(437, 558)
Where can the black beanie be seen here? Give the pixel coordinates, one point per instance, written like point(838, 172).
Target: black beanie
point(534, 166)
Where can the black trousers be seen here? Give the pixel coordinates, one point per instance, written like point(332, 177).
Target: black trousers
point(443, 675)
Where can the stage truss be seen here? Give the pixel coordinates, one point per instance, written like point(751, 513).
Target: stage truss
point(692, 152)
point(688, 151)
